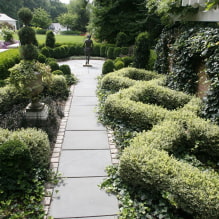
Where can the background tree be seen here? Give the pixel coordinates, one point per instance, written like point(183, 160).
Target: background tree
point(80, 8)
point(53, 7)
point(131, 17)
point(11, 7)
point(41, 18)
point(68, 20)
point(56, 9)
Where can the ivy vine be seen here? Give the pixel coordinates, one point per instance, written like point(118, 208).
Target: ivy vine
point(181, 51)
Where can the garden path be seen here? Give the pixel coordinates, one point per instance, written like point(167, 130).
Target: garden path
point(84, 153)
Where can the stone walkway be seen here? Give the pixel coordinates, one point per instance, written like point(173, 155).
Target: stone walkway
point(83, 154)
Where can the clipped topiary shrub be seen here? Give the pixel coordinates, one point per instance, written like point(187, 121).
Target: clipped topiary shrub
point(65, 69)
point(110, 53)
point(96, 50)
point(116, 52)
point(25, 15)
point(41, 58)
point(108, 66)
point(9, 96)
point(121, 39)
point(27, 36)
point(8, 59)
point(142, 50)
point(37, 142)
point(50, 39)
point(193, 190)
point(58, 87)
point(17, 168)
point(46, 52)
point(124, 50)
point(119, 64)
point(53, 65)
point(28, 52)
point(103, 50)
point(128, 60)
point(57, 72)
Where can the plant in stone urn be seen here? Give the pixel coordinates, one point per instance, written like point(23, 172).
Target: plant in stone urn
point(29, 74)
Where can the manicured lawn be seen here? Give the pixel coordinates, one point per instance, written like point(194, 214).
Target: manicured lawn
point(62, 38)
point(59, 38)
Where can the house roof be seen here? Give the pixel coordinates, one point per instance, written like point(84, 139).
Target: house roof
point(4, 17)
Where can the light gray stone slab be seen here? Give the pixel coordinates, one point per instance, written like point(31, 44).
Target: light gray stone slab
point(104, 217)
point(85, 123)
point(85, 140)
point(82, 111)
point(89, 92)
point(84, 101)
point(81, 197)
point(84, 163)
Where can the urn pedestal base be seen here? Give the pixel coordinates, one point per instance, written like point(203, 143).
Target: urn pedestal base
point(40, 113)
point(87, 65)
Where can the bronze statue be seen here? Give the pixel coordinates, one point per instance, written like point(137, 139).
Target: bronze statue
point(88, 46)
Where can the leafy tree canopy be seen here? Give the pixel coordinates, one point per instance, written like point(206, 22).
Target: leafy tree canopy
point(108, 18)
point(80, 8)
point(11, 7)
point(41, 18)
point(68, 20)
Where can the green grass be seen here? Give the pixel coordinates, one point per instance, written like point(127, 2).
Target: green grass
point(59, 38)
point(62, 39)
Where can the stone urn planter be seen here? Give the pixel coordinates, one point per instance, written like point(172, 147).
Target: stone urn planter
point(28, 77)
point(35, 87)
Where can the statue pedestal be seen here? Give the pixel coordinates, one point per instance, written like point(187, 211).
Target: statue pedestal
point(87, 65)
point(37, 114)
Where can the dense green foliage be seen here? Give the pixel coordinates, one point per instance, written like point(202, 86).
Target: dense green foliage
point(41, 18)
point(174, 157)
point(191, 49)
point(27, 37)
point(80, 8)
point(142, 50)
point(8, 59)
point(167, 9)
point(24, 156)
point(54, 8)
point(58, 87)
point(65, 69)
point(108, 66)
point(50, 39)
point(130, 17)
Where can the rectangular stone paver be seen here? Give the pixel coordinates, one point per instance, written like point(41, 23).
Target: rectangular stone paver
point(84, 163)
point(80, 197)
point(84, 101)
point(84, 123)
point(89, 92)
point(82, 111)
point(85, 140)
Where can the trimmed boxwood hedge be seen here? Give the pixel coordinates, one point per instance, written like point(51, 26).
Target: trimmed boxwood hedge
point(126, 77)
point(36, 140)
point(9, 96)
point(7, 60)
point(191, 189)
point(172, 127)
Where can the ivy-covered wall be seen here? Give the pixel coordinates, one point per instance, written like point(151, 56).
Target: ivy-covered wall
point(181, 52)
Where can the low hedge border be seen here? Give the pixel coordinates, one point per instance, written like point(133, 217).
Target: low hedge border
point(189, 188)
point(36, 140)
point(126, 77)
point(7, 60)
point(9, 96)
point(147, 161)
